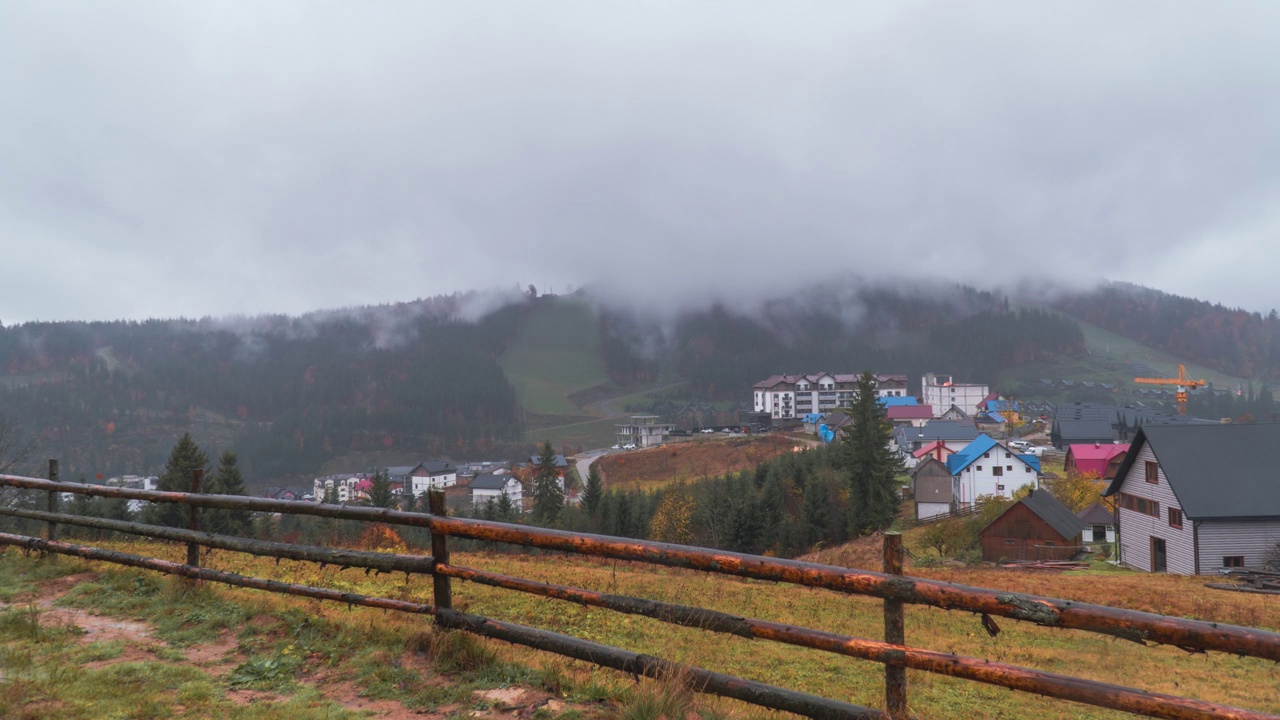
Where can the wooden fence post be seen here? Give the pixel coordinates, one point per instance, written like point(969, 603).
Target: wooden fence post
point(52, 499)
point(439, 551)
point(895, 675)
point(193, 549)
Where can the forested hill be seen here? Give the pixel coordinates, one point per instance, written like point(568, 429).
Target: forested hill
point(286, 393)
point(296, 395)
point(971, 334)
point(1233, 341)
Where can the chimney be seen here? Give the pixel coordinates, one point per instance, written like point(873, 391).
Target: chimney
point(1097, 444)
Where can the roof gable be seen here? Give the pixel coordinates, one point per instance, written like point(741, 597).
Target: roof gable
point(1047, 508)
point(1215, 471)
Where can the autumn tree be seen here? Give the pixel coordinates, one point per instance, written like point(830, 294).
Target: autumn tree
point(548, 495)
point(1077, 491)
point(673, 520)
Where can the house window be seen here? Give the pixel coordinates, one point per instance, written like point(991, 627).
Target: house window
point(1027, 468)
point(986, 455)
point(979, 468)
point(1009, 468)
point(1175, 518)
point(1233, 561)
point(1140, 505)
point(1008, 455)
point(1000, 488)
point(1153, 472)
point(997, 471)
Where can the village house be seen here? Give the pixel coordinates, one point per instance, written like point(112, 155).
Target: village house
point(1099, 523)
point(908, 439)
point(488, 487)
point(913, 415)
point(432, 475)
point(987, 467)
point(1101, 460)
point(1037, 527)
point(1194, 499)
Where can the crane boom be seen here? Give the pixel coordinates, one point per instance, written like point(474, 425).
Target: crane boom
point(1183, 382)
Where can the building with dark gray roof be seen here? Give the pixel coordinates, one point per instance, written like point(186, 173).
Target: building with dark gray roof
point(1194, 498)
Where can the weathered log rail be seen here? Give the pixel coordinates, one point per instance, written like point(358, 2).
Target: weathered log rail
point(1195, 636)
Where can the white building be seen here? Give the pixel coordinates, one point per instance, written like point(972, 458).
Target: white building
point(491, 486)
point(943, 392)
point(644, 431)
point(986, 467)
point(792, 396)
point(344, 485)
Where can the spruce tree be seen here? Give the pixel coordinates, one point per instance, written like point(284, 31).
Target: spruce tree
point(548, 496)
point(593, 493)
point(870, 466)
point(185, 458)
point(226, 481)
point(380, 493)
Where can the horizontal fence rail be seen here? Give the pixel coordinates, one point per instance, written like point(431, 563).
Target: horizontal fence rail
point(1141, 627)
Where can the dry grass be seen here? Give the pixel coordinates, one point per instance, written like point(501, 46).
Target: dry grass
point(1219, 678)
point(701, 458)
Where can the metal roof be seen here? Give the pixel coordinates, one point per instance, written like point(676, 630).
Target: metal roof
point(1096, 514)
point(489, 481)
point(1048, 509)
point(1215, 471)
point(974, 451)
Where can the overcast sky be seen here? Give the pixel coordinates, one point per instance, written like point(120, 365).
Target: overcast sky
point(165, 159)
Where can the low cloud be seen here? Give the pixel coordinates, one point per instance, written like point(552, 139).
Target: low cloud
point(165, 160)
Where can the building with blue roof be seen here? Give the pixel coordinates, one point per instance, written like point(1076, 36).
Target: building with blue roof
point(988, 467)
point(897, 401)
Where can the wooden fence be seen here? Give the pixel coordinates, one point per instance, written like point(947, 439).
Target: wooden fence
point(895, 590)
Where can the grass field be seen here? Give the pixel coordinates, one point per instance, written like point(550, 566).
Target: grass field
point(556, 354)
point(1109, 360)
point(702, 457)
point(1237, 681)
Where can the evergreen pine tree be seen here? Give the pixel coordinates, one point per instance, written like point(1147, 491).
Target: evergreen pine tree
point(593, 493)
point(226, 481)
point(548, 496)
point(380, 493)
point(505, 509)
point(185, 458)
point(870, 466)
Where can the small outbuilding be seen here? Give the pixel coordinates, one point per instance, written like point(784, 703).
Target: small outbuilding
point(931, 488)
point(1099, 524)
point(1037, 527)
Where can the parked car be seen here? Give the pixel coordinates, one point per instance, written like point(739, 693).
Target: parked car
point(629, 446)
point(1019, 445)
point(706, 430)
point(616, 447)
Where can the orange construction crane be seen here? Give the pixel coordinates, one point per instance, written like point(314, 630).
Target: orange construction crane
point(1183, 382)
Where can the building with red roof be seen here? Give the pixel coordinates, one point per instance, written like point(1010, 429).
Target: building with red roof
point(1102, 459)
